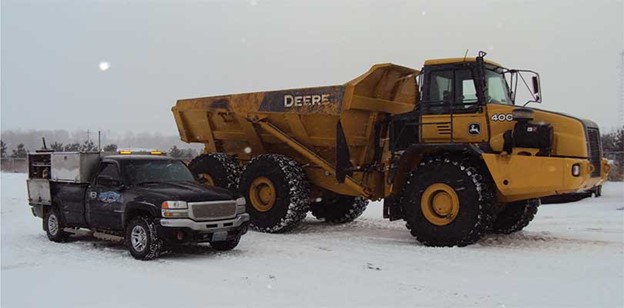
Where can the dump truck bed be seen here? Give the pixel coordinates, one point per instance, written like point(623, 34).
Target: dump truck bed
point(329, 122)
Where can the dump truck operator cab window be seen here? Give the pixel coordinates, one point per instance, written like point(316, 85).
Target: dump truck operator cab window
point(450, 90)
point(497, 90)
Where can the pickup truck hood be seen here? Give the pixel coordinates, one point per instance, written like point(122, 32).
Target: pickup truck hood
point(182, 191)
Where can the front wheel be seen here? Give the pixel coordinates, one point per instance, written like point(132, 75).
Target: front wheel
point(448, 201)
point(142, 238)
point(53, 225)
point(515, 216)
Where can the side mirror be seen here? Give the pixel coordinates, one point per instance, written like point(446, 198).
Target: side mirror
point(108, 181)
point(536, 88)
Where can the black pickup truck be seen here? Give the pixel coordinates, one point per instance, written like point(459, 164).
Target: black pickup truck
point(150, 201)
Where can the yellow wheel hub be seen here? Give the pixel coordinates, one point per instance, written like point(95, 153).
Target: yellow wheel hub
point(262, 194)
point(207, 179)
point(439, 204)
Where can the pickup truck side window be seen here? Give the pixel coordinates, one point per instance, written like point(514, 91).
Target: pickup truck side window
point(110, 170)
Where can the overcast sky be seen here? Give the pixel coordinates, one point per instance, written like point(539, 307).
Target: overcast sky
point(160, 51)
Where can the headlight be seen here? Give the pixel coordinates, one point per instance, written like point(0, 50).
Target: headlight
point(174, 209)
point(241, 201)
point(174, 205)
point(240, 205)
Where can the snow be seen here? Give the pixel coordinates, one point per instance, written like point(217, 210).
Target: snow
point(572, 255)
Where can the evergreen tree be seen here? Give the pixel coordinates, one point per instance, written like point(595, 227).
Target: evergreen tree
point(74, 147)
point(88, 146)
point(110, 148)
point(56, 147)
point(175, 152)
point(19, 151)
point(3, 149)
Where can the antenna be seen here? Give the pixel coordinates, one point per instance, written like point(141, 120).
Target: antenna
point(466, 54)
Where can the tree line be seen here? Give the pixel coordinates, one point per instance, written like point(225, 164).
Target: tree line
point(20, 150)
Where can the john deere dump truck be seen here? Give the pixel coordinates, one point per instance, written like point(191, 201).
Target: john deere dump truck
point(446, 147)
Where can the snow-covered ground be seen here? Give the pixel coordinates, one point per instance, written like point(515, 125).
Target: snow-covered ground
point(572, 255)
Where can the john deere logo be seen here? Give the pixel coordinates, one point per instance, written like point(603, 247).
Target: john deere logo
point(306, 100)
point(474, 129)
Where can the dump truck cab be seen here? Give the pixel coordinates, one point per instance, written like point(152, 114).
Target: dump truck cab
point(473, 101)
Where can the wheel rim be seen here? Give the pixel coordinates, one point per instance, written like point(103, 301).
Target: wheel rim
point(138, 238)
point(206, 179)
point(53, 226)
point(262, 194)
point(440, 204)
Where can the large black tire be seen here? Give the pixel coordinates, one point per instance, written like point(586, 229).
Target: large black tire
point(515, 216)
point(277, 193)
point(142, 238)
point(448, 201)
point(216, 169)
point(225, 245)
point(338, 208)
point(53, 225)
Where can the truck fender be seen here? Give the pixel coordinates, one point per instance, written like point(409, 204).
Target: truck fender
point(134, 208)
point(409, 160)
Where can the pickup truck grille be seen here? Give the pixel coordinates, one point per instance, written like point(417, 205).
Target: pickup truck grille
point(213, 210)
point(593, 138)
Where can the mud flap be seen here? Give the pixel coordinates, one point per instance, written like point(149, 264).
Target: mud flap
point(343, 163)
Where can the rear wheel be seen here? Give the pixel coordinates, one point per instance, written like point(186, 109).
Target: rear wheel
point(515, 216)
point(338, 208)
point(277, 193)
point(142, 238)
point(448, 201)
point(53, 225)
point(216, 169)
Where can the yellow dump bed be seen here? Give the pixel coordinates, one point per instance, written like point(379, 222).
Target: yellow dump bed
point(246, 124)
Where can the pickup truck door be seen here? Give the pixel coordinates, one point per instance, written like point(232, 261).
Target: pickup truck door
point(105, 199)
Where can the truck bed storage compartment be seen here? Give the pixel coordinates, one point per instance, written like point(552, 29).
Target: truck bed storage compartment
point(74, 167)
point(39, 191)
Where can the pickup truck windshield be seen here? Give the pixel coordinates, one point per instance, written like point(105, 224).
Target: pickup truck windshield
point(150, 171)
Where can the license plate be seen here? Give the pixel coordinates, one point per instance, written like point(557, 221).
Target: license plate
point(220, 236)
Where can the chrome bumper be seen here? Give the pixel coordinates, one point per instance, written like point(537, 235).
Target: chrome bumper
point(205, 226)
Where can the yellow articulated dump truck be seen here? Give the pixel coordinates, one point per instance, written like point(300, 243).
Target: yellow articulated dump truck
point(447, 148)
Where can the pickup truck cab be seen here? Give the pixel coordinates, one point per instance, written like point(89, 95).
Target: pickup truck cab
point(150, 201)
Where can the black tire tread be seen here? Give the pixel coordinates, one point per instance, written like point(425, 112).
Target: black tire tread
point(155, 243)
point(227, 167)
point(475, 170)
point(515, 216)
point(299, 191)
point(61, 236)
point(339, 208)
